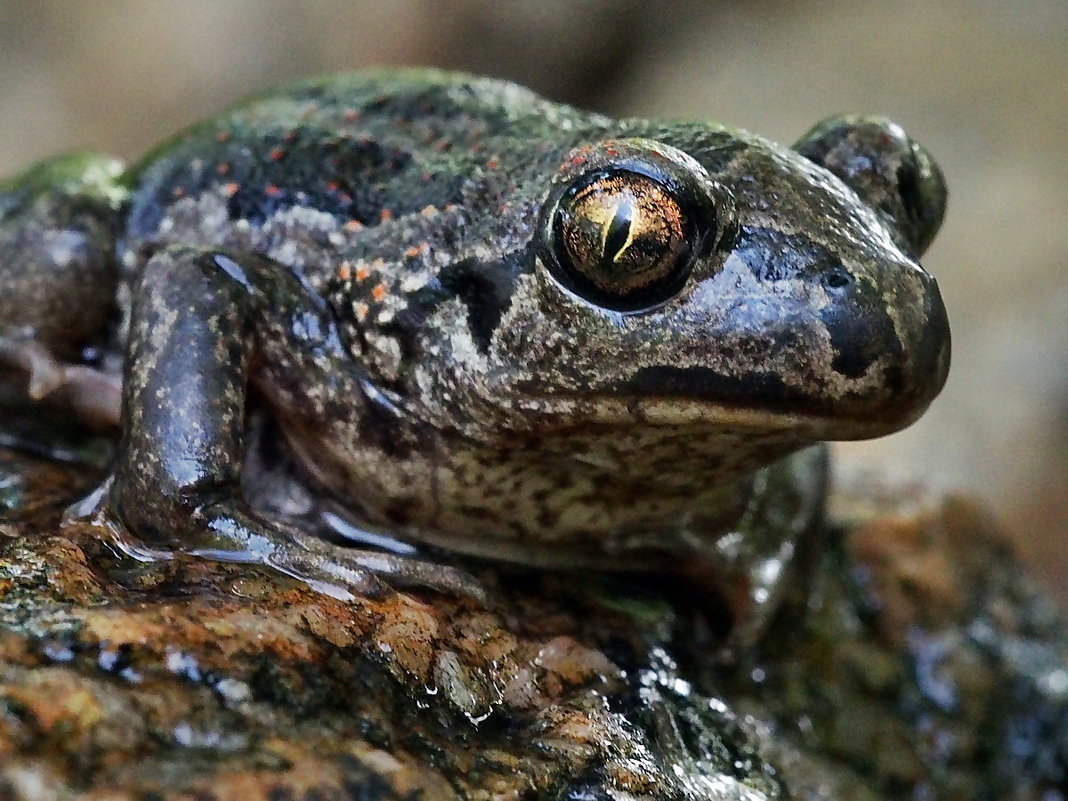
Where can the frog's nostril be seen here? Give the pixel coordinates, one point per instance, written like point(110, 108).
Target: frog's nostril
point(837, 279)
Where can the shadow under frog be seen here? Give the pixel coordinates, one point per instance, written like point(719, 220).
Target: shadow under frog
point(482, 321)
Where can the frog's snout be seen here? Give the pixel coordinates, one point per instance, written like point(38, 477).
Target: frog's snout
point(934, 346)
point(925, 348)
point(913, 352)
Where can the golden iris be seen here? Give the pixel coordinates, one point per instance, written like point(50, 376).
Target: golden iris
point(622, 232)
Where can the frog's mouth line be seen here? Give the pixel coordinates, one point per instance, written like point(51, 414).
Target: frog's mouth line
point(665, 410)
point(802, 424)
point(769, 402)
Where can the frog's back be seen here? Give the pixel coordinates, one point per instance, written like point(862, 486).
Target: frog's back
point(360, 148)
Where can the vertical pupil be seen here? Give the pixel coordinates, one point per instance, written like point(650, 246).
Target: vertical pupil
point(617, 234)
point(620, 239)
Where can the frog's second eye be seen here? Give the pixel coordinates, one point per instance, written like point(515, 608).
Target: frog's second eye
point(622, 240)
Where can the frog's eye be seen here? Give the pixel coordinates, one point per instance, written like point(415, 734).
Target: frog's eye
point(622, 239)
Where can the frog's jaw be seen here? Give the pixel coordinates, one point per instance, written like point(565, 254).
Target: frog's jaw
point(866, 366)
point(797, 358)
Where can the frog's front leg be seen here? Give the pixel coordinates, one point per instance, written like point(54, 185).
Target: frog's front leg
point(194, 339)
point(770, 548)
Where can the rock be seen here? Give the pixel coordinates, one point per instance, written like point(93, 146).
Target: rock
point(917, 662)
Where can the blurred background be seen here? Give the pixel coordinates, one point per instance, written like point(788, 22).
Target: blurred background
point(982, 84)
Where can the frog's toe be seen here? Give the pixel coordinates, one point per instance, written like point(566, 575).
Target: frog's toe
point(341, 578)
point(30, 357)
point(95, 396)
point(232, 532)
point(343, 572)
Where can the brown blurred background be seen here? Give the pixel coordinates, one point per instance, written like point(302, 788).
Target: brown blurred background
point(983, 84)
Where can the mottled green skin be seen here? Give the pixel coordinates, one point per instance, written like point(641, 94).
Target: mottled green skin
point(369, 257)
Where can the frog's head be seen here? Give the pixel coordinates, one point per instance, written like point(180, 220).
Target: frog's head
point(728, 279)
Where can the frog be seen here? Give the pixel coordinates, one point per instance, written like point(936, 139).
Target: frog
point(482, 327)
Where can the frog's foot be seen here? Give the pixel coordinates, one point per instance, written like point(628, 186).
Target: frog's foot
point(94, 396)
point(230, 532)
point(341, 572)
point(233, 532)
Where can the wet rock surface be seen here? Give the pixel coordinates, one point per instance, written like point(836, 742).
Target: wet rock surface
point(917, 662)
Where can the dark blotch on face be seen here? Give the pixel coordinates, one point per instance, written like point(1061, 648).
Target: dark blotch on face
point(486, 292)
point(857, 339)
point(702, 383)
point(860, 329)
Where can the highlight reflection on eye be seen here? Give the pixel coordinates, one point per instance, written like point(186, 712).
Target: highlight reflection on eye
point(622, 238)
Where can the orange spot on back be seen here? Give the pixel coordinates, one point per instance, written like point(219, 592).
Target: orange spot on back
point(271, 190)
point(276, 154)
point(386, 215)
point(362, 272)
point(344, 272)
point(354, 225)
point(222, 168)
point(379, 292)
point(231, 188)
